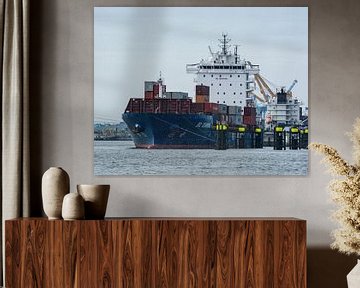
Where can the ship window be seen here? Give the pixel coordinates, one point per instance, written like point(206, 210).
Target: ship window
point(239, 77)
point(220, 75)
point(234, 93)
point(230, 84)
point(240, 102)
point(226, 67)
point(219, 84)
point(204, 75)
point(212, 84)
point(240, 84)
point(224, 102)
point(224, 93)
point(222, 61)
point(240, 93)
point(217, 93)
point(217, 101)
point(230, 75)
point(212, 75)
point(234, 102)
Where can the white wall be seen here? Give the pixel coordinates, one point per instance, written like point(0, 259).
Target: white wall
point(62, 93)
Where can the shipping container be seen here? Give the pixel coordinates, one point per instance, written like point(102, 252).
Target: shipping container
point(149, 85)
point(202, 98)
point(135, 105)
point(173, 106)
point(249, 111)
point(149, 106)
point(249, 120)
point(235, 119)
point(197, 108)
point(222, 108)
point(202, 90)
point(211, 108)
point(234, 110)
point(149, 95)
point(176, 95)
point(156, 90)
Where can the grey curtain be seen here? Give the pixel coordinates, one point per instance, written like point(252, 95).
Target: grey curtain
point(14, 39)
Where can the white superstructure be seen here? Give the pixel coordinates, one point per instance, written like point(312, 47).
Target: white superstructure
point(229, 77)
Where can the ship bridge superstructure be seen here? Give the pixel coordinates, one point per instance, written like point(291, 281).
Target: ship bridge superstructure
point(230, 78)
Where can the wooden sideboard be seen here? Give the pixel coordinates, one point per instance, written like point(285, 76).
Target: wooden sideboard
point(156, 252)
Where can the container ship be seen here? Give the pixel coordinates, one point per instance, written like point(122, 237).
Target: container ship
point(223, 115)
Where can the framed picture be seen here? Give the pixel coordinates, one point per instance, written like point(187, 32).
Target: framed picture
point(200, 91)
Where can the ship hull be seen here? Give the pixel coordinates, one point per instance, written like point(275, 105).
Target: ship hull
point(172, 131)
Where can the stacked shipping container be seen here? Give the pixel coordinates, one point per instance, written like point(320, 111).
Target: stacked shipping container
point(249, 116)
point(202, 93)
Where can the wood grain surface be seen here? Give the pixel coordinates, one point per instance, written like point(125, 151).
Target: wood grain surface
point(157, 253)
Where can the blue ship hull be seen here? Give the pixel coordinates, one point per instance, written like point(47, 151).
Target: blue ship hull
point(173, 131)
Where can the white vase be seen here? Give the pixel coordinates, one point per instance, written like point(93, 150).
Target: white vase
point(73, 207)
point(55, 185)
point(353, 278)
point(95, 197)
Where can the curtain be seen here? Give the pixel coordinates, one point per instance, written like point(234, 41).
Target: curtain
point(14, 37)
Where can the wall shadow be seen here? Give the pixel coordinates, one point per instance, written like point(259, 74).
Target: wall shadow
point(35, 104)
point(327, 268)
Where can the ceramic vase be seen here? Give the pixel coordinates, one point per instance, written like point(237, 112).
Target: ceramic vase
point(353, 278)
point(96, 198)
point(55, 185)
point(73, 207)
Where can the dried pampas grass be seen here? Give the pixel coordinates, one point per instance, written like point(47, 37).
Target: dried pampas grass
point(345, 191)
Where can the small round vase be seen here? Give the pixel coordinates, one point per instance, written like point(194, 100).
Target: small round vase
point(55, 185)
point(96, 198)
point(73, 207)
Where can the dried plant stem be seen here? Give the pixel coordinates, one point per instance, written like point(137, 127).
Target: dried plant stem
point(345, 191)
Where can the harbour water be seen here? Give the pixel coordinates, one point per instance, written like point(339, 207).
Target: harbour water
point(122, 158)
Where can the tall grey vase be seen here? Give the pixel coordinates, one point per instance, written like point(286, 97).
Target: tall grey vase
point(55, 185)
point(353, 278)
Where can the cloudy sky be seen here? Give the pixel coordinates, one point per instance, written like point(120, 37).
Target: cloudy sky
point(134, 44)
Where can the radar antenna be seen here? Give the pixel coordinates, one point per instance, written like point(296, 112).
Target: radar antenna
point(224, 44)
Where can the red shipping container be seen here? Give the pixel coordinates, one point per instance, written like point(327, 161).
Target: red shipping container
point(149, 106)
point(156, 90)
point(137, 105)
point(184, 106)
point(202, 90)
point(249, 120)
point(149, 95)
point(173, 106)
point(249, 111)
point(211, 107)
point(202, 98)
point(197, 107)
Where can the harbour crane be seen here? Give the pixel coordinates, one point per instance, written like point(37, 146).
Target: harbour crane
point(265, 90)
point(291, 87)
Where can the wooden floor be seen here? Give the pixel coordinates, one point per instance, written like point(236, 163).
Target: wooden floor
point(156, 253)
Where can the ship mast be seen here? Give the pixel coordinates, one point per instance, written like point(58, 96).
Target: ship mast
point(224, 44)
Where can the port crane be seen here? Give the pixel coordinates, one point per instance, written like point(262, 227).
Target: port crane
point(291, 87)
point(267, 94)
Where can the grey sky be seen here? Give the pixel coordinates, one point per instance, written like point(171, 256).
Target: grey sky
point(132, 45)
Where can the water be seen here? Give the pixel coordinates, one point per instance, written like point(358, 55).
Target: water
point(121, 158)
